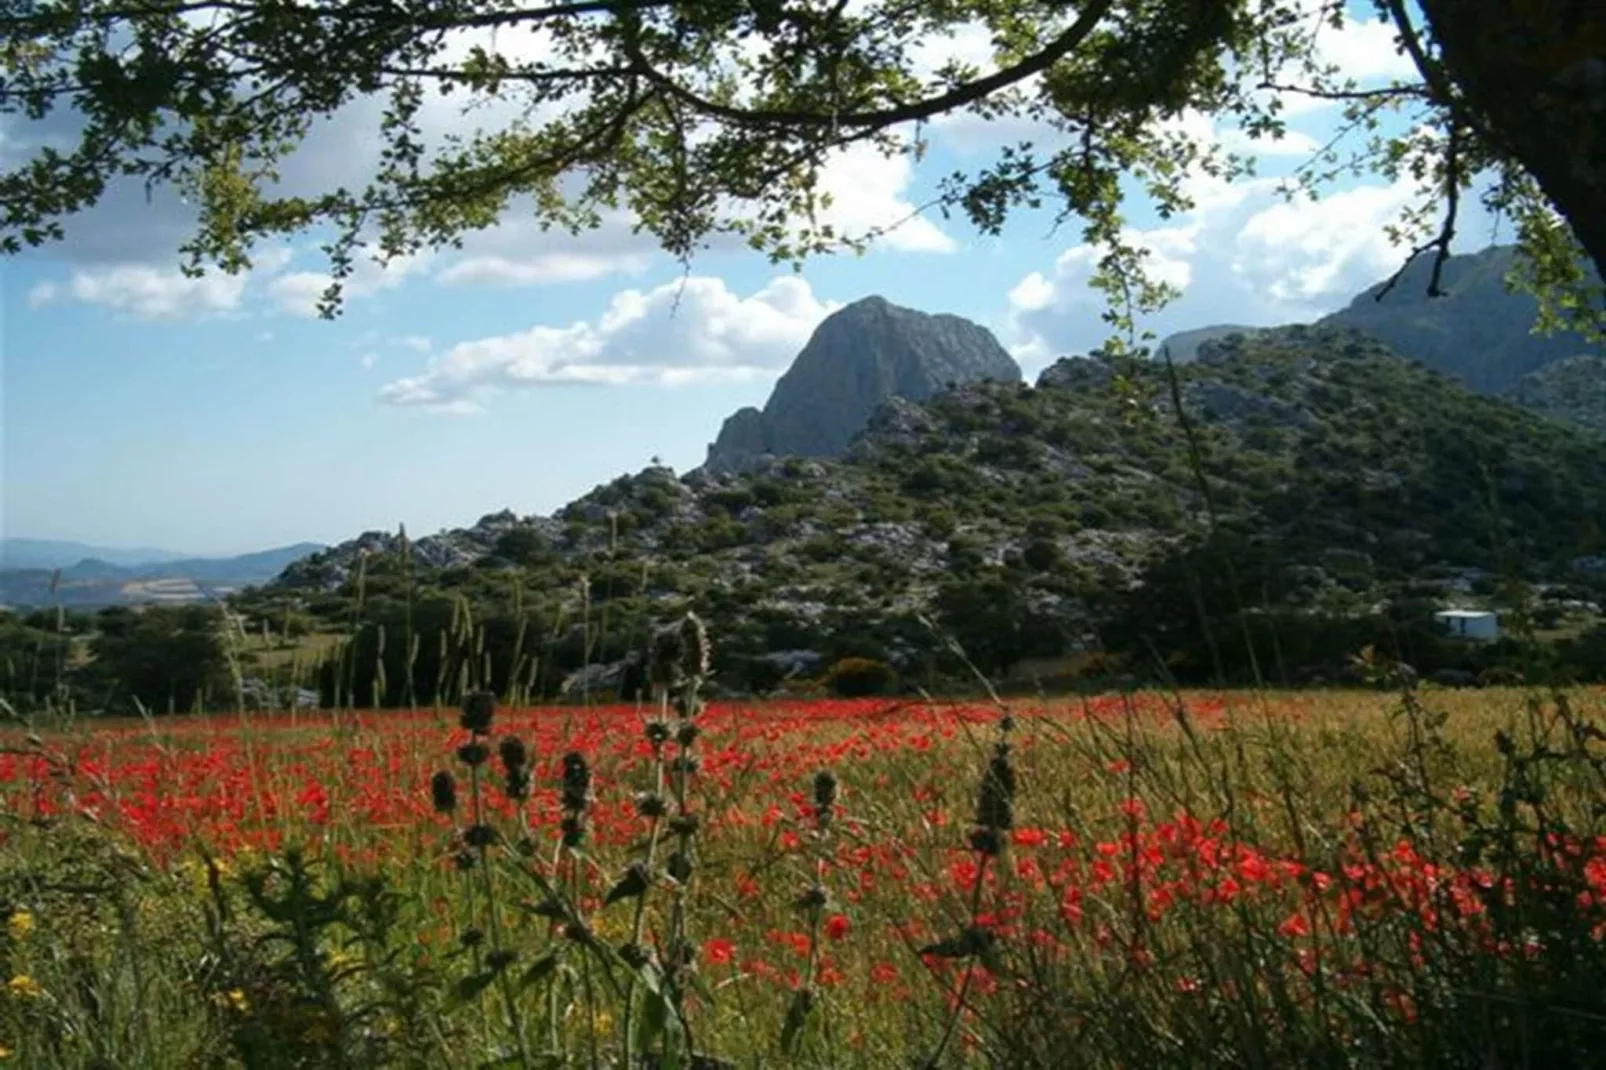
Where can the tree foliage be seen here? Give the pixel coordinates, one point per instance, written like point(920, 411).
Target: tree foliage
point(709, 119)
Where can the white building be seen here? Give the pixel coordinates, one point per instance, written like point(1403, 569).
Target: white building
point(1469, 623)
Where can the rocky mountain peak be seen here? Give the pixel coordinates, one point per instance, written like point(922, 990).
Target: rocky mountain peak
point(859, 357)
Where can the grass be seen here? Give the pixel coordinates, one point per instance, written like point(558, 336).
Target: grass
point(1339, 878)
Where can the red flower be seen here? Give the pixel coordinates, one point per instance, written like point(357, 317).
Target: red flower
point(836, 926)
point(718, 951)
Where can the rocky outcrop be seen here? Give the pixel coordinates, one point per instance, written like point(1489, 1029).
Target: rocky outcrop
point(1481, 332)
point(859, 357)
point(1572, 390)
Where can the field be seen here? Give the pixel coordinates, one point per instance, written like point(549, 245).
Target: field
point(1330, 878)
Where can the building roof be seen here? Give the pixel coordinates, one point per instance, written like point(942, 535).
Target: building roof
point(1469, 613)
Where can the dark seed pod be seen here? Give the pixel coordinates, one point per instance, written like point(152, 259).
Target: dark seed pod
point(579, 933)
point(479, 708)
point(573, 829)
point(679, 867)
point(474, 753)
point(986, 841)
point(634, 955)
point(685, 825)
point(651, 804)
point(500, 959)
point(576, 782)
point(657, 733)
point(472, 937)
point(814, 899)
point(479, 836)
point(686, 763)
point(518, 784)
point(1006, 723)
point(443, 791)
point(825, 788)
point(515, 756)
point(995, 803)
point(464, 860)
point(664, 662)
point(632, 884)
point(686, 733)
point(546, 908)
point(526, 847)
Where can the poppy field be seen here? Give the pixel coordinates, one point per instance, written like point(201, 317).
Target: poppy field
point(1340, 878)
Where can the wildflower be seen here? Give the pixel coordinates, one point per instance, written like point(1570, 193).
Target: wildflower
point(24, 987)
point(234, 999)
point(837, 926)
point(19, 925)
point(719, 951)
point(576, 782)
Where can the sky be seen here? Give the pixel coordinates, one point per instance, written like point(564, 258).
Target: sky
point(219, 415)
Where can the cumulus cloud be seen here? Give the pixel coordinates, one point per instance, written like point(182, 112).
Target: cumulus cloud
point(682, 332)
point(297, 292)
point(1245, 255)
point(145, 292)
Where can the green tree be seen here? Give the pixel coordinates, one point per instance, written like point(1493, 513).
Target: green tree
point(161, 658)
point(715, 117)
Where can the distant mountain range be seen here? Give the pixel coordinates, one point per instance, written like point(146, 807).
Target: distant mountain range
point(92, 576)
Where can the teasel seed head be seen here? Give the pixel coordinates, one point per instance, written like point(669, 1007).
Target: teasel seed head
point(986, 841)
point(480, 836)
point(995, 803)
point(514, 754)
point(473, 936)
point(479, 707)
point(815, 898)
point(464, 860)
point(634, 955)
point(666, 657)
point(518, 784)
point(651, 804)
point(500, 959)
point(686, 763)
point(825, 789)
point(697, 653)
point(576, 782)
point(443, 791)
point(574, 830)
point(657, 732)
point(679, 866)
point(474, 753)
point(686, 733)
point(685, 825)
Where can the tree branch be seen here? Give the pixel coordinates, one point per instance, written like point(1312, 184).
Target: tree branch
point(1446, 235)
point(968, 93)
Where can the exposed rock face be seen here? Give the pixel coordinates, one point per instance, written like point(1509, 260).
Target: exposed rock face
point(859, 357)
point(1480, 332)
point(1572, 390)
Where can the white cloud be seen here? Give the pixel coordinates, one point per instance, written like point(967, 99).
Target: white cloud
point(868, 192)
point(678, 333)
point(1245, 255)
point(145, 292)
point(298, 292)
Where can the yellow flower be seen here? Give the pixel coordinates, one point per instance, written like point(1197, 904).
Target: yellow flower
point(24, 987)
point(20, 925)
point(234, 998)
point(5, 1053)
point(601, 1023)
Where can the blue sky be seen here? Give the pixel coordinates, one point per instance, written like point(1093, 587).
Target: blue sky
point(217, 416)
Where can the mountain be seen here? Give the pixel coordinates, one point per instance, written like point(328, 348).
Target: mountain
point(1184, 345)
point(1027, 520)
point(1572, 389)
point(1481, 332)
point(93, 581)
point(858, 357)
point(57, 553)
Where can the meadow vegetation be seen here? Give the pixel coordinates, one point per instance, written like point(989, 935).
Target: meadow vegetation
point(1317, 878)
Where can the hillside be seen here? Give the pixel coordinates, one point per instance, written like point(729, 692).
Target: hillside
point(1481, 332)
point(93, 581)
point(1572, 390)
point(1031, 521)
